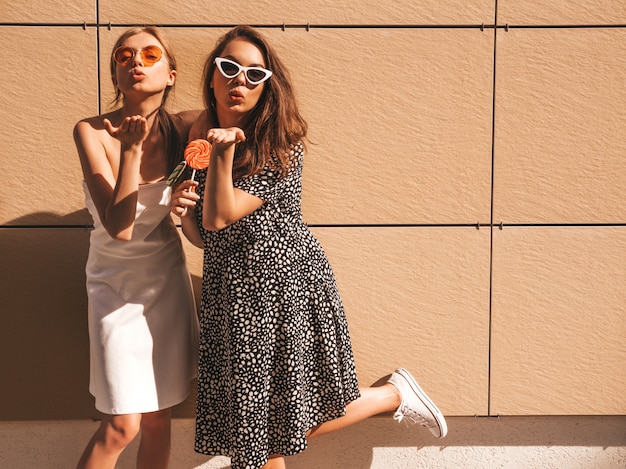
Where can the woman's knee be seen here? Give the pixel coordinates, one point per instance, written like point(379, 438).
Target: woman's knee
point(120, 430)
point(275, 461)
point(156, 421)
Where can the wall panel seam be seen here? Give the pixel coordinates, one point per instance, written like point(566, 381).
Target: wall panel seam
point(309, 26)
point(476, 226)
point(491, 201)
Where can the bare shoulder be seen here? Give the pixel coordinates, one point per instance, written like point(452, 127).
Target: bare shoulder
point(94, 143)
point(92, 125)
point(189, 117)
point(184, 120)
point(200, 127)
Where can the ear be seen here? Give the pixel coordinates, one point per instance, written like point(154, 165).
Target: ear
point(172, 78)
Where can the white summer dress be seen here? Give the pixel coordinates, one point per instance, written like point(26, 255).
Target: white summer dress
point(143, 326)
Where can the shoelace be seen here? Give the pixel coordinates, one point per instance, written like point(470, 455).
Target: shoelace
point(409, 417)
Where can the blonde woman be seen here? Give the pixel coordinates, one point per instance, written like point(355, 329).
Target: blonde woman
point(142, 319)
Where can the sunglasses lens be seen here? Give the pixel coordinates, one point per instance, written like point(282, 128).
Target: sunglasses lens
point(123, 55)
point(151, 55)
point(230, 69)
point(256, 75)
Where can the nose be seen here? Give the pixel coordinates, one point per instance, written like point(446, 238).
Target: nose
point(137, 60)
point(241, 78)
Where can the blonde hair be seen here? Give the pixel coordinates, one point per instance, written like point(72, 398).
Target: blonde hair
point(167, 51)
point(166, 123)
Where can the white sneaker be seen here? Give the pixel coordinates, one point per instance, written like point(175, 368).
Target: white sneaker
point(416, 406)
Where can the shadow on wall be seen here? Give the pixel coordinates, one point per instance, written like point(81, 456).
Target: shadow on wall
point(44, 367)
point(43, 327)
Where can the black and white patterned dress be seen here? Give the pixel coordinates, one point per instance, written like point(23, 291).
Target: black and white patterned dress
point(275, 353)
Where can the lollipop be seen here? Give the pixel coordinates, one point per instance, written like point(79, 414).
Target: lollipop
point(178, 170)
point(198, 154)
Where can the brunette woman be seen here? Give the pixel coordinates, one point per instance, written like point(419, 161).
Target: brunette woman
point(276, 365)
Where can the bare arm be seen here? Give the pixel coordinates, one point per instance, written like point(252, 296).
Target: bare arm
point(184, 197)
point(114, 195)
point(184, 200)
point(223, 203)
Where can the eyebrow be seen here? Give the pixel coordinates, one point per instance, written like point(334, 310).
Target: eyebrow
point(230, 57)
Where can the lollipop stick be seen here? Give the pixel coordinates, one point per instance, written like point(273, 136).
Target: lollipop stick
point(193, 175)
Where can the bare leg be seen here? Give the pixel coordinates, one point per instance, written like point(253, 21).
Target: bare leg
point(155, 445)
point(275, 461)
point(113, 435)
point(373, 401)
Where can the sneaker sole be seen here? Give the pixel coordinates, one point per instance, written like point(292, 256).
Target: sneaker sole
point(441, 421)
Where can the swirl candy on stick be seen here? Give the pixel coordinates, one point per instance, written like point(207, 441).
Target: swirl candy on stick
point(198, 154)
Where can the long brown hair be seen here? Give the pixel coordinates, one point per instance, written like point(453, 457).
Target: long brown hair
point(164, 120)
point(275, 125)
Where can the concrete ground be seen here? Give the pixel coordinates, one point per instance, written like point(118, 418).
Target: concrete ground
point(566, 442)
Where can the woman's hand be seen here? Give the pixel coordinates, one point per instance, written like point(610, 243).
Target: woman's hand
point(184, 198)
point(225, 137)
point(132, 131)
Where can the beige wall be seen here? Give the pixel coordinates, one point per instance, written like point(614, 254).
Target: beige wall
point(467, 180)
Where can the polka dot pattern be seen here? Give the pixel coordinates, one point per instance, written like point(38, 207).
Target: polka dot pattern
point(275, 352)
